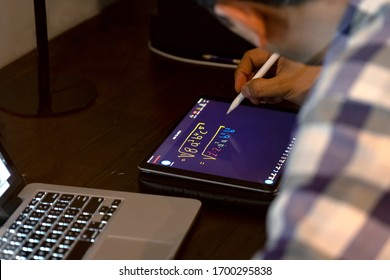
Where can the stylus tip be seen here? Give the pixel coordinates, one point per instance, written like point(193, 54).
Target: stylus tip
point(231, 108)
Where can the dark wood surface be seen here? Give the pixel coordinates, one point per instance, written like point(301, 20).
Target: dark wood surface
point(140, 95)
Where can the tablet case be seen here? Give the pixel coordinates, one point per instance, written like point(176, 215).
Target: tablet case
point(206, 192)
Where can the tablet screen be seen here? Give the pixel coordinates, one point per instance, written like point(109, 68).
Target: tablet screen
point(246, 148)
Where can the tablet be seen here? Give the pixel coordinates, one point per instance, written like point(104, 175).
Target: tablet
point(231, 154)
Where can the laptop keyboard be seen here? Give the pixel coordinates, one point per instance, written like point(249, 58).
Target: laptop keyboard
point(57, 226)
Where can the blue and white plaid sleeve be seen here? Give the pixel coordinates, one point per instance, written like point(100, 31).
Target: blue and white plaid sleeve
point(335, 195)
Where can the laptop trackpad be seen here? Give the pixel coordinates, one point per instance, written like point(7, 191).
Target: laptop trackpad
point(120, 248)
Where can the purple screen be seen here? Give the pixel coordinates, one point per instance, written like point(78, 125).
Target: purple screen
point(251, 143)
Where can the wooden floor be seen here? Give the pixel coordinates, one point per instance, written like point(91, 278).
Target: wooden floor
point(140, 95)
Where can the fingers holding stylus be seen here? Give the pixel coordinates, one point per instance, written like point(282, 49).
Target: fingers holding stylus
point(290, 80)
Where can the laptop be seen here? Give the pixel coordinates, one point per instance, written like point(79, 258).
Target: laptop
point(43, 221)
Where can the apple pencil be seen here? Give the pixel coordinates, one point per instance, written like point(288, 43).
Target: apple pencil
point(262, 71)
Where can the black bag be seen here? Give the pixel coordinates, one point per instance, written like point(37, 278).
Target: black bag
point(183, 29)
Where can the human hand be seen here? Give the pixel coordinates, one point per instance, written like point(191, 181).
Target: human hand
point(292, 80)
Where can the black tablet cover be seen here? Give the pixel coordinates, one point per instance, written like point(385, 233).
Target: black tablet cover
point(212, 155)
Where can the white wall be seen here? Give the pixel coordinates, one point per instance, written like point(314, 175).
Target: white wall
point(17, 26)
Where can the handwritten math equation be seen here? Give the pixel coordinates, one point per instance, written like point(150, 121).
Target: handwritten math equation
point(194, 145)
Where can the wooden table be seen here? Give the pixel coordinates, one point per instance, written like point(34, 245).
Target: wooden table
point(140, 96)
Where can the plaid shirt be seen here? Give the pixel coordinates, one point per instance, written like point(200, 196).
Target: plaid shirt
point(335, 195)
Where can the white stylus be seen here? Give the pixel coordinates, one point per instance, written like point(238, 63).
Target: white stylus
point(262, 71)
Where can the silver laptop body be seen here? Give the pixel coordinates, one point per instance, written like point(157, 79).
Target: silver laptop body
point(124, 225)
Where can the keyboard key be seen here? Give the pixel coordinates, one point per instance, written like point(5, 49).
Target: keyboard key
point(22, 255)
point(84, 218)
point(40, 255)
point(13, 228)
point(54, 213)
point(79, 250)
point(36, 215)
point(48, 221)
point(33, 203)
point(16, 240)
point(79, 202)
point(65, 243)
point(36, 238)
point(42, 207)
point(93, 205)
point(43, 229)
point(60, 252)
point(71, 213)
point(59, 229)
point(77, 226)
point(53, 237)
point(105, 218)
point(72, 235)
point(66, 197)
point(30, 223)
point(89, 235)
point(96, 225)
point(29, 246)
point(111, 211)
point(116, 203)
point(47, 246)
point(20, 219)
point(10, 249)
point(6, 236)
point(23, 231)
point(27, 210)
point(50, 198)
point(65, 221)
point(39, 195)
point(103, 210)
point(61, 205)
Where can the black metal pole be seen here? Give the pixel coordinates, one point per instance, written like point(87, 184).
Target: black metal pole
point(43, 58)
point(39, 94)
